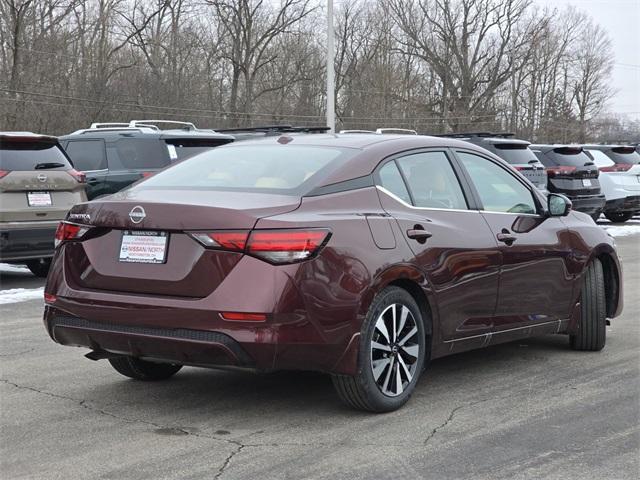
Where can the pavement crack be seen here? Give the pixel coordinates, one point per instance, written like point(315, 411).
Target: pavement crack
point(227, 460)
point(446, 422)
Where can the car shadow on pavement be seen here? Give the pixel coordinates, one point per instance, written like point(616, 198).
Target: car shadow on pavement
point(195, 392)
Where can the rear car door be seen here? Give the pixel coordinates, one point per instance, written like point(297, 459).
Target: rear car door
point(451, 243)
point(535, 286)
point(89, 156)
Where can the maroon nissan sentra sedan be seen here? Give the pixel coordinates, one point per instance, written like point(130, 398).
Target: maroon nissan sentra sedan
point(363, 256)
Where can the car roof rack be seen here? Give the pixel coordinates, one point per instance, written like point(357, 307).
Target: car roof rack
point(391, 130)
point(274, 129)
point(151, 124)
point(476, 134)
point(357, 131)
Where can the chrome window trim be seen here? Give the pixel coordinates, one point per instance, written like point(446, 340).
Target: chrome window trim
point(398, 199)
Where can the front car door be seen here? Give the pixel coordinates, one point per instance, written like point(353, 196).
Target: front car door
point(535, 285)
point(451, 242)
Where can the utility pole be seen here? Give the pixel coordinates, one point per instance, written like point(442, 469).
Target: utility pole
point(331, 75)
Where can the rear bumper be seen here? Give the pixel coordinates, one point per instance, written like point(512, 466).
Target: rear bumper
point(276, 345)
point(590, 204)
point(26, 241)
point(627, 204)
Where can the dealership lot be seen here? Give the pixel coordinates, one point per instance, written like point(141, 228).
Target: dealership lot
point(531, 409)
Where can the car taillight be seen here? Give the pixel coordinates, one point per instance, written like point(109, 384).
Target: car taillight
point(79, 176)
point(563, 170)
point(274, 246)
point(234, 240)
point(4, 173)
point(286, 246)
point(243, 317)
point(50, 298)
point(147, 174)
point(617, 167)
point(69, 231)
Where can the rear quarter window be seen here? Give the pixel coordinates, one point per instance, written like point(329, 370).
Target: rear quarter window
point(26, 156)
point(87, 155)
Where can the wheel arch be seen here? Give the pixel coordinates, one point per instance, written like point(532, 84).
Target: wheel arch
point(612, 272)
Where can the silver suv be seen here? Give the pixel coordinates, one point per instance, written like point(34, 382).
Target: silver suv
point(38, 186)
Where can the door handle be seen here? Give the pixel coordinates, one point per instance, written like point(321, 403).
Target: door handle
point(92, 181)
point(418, 234)
point(506, 237)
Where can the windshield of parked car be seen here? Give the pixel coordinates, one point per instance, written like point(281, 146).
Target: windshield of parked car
point(26, 155)
point(515, 153)
point(284, 169)
point(181, 148)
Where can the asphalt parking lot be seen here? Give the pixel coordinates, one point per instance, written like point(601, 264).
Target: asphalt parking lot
point(524, 410)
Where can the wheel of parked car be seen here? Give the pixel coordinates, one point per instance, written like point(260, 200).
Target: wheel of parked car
point(393, 349)
point(618, 217)
point(595, 216)
point(142, 370)
point(39, 267)
point(591, 332)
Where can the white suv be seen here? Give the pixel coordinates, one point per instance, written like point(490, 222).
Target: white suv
point(619, 167)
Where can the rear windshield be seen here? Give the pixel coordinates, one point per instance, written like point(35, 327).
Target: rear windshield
point(21, 155)
point(284, 169)
point(570, 156)
point(179, 149)
point(600, 158)
point(515, 153)
point(624, 155)
point(142, 154)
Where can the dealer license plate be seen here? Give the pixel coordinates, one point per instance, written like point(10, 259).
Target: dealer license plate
point(143, 247)
point(39, 199)
point(586, 182)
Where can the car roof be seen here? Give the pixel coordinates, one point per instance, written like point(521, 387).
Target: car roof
point(550, 146)
point(135, 132)
point(607, 147)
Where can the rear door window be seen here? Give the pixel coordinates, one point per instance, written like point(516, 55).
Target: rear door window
point(29, 155)
point(432, 181)
point(87, 155)
point(498, 189)
point(142, 153)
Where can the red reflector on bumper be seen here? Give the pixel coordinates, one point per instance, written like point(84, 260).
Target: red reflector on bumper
point(243, 317)
point(50, 298)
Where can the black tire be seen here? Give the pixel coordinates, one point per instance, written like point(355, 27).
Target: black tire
point(39, 266)
point(591, 330)
point(618, 217)
point(361, 391)
point(142, 370)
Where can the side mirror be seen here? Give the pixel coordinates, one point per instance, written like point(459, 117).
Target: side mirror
point(558, 205)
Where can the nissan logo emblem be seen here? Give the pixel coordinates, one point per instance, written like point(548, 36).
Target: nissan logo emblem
point(137, 214)
point(42, 177)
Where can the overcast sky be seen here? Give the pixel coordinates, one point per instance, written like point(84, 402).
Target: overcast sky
point(621, 18)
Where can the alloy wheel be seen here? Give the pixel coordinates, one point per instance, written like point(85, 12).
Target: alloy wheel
point(394, 349)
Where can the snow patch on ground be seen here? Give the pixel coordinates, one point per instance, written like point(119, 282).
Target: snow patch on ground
point(622, 230)
point(10, 268)
point(15, 295)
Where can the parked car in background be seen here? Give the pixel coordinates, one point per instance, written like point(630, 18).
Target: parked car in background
point(362, 256)
point(512, 150)
point(571, 172)
point(114, 155)
point(619, 167)
point(38, 186)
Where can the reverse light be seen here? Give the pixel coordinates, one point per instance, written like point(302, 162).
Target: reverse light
point(616, 167)
point(562, 170)
point(69, 231)
point(243, 317)
point(80, 177)
point(286, 246)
